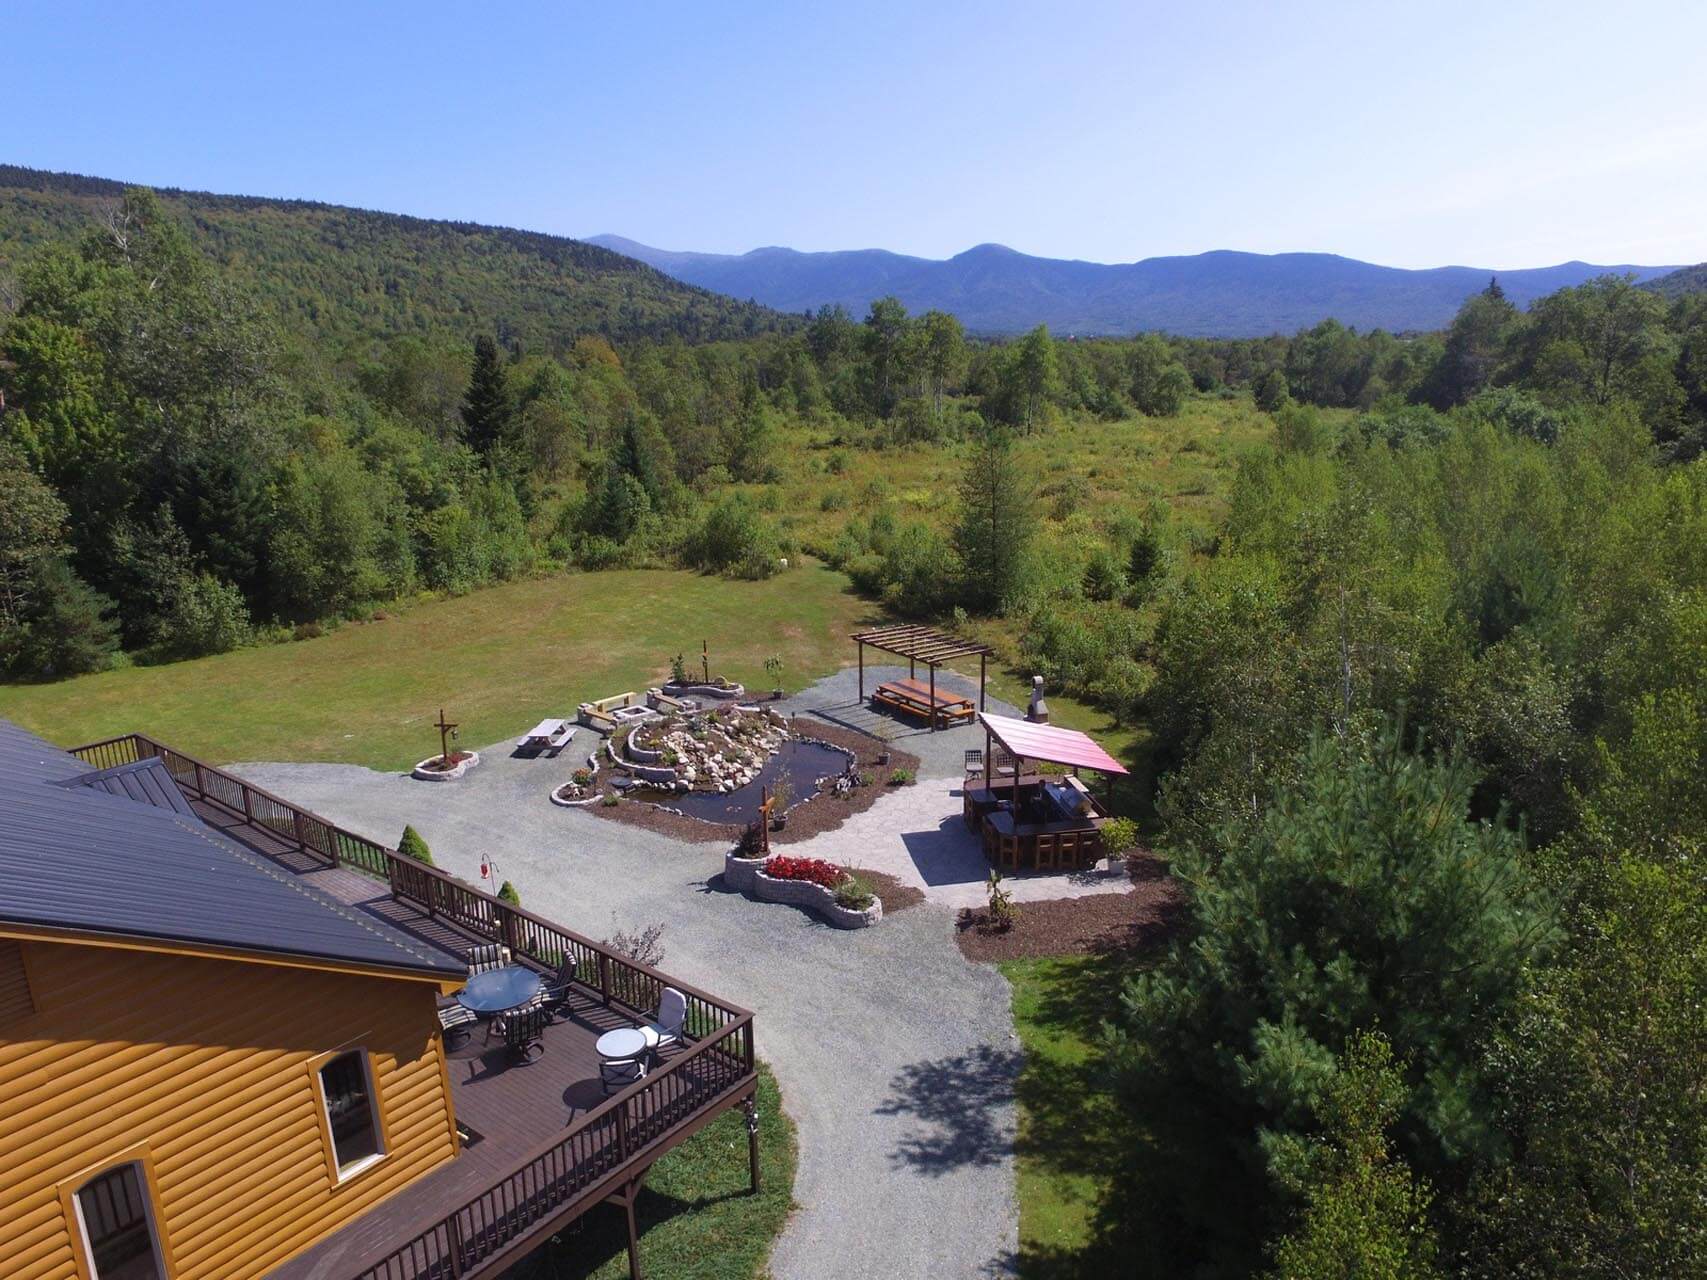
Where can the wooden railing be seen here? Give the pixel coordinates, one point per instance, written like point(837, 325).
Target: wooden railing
point(577, 1165)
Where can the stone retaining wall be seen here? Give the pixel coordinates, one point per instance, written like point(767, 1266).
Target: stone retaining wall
point(745, 875)
point(721, 692)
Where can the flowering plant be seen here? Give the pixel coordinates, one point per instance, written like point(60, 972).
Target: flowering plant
point(815, 870)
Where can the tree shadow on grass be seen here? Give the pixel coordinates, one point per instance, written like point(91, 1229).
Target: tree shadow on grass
point(963, 1106)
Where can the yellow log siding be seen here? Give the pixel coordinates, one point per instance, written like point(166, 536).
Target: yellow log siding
point(208, 1065)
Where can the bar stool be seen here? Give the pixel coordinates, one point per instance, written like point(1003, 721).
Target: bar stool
point(1070, 849)
point(1047, 848)
point(1007, 851)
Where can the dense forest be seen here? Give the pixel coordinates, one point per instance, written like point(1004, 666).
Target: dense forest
point(1428, 704)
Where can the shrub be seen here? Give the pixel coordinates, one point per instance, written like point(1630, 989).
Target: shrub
point(813, 870)
point(645, 947)
point(751, 842)
point(1119, 835)
point(581, 777)
point(206, 616)
point(507, 893)
point(864, 778)
point(900, 777)
point(410, 845)
point(678, 670)
point(854, 894)
point(1003, 912)
point(611, 800)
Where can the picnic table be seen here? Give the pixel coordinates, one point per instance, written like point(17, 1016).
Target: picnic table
point(914, 697)
point(551, 733)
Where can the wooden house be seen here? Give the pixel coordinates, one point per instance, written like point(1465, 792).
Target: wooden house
point(221, 1055)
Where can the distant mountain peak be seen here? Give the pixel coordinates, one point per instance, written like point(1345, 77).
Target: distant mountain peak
point(1218, 293)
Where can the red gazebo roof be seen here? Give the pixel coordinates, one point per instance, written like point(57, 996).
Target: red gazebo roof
point(1049, 742)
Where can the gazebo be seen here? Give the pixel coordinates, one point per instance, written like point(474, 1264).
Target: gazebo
point(1031, 821)
point(933, 648)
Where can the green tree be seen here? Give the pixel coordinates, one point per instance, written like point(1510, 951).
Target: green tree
point(65, 628)
point(1159, 381)
point(411, 845)
point(942, 354)
point(1271, 391)
point(885, 343)
point(32, 529)
point(996, 522)
point(1031, 376)
point(1475, 347)
point(1365, 1216)
point(488, 409)
point(1361, 899)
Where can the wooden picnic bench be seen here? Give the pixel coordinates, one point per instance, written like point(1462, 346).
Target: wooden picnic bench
point(914, 698)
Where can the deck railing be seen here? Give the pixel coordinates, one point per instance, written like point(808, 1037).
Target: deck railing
point(575, 1165)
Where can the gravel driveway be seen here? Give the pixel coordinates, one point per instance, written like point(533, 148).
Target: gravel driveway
point(896, 1056)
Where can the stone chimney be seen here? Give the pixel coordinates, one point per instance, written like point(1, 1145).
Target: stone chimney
point(1038, 711)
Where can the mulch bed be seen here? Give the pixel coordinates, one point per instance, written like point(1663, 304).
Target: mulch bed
point(895, 896)
point(807, 819)
point(1139, 919)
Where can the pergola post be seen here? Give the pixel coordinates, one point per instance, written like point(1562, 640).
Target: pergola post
point(933, 698)
point(861, 645)
point(983, 658)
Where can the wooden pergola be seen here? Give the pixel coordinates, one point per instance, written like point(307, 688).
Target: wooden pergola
point(922, 644)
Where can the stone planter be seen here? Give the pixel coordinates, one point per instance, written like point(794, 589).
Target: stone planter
point(738, 873)
point(719, 692)
point(425, 774)
point(814, 897)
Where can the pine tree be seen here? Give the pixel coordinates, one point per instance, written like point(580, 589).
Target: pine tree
point(996, 522)
point(487, 408)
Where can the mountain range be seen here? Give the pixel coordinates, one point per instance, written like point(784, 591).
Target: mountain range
point(994, 289)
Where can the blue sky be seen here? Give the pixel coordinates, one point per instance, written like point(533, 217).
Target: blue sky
point(1503, 134)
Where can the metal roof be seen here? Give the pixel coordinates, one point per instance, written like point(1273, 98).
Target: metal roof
point(111, 853)
point(1050, 742)
point(145, 781)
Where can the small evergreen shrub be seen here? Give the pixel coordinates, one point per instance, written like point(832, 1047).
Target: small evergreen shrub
point(507, 892)
point(410, 845)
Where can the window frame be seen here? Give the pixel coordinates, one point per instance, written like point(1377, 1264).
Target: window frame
point(343, 1174)
point(71, 1204)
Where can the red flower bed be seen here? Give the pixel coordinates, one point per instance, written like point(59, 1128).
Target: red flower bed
point(816, 870)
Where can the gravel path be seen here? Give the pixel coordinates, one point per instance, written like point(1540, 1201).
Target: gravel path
point(896, 1056)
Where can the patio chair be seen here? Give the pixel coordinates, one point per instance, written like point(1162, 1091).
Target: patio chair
point(500, 1023)
point(672, 1013)
point(619, 1073)
point(486, 957)
point(453, 1017)
point(524, 1033)
point(975, 763)
point(556, 990)
point(1004, 763)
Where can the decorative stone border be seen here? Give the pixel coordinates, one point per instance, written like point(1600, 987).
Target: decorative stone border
point(720, 692)
point(745, 875)
point(445, 775)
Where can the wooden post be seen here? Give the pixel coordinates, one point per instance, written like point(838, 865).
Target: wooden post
point(765, 820)
point(982, 659)
point(633, 1235)
point(752, 1110)
point(705, 659)
point(933, 698)
point(861, 646)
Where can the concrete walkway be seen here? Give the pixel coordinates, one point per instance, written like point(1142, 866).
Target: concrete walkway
point(896, 1056)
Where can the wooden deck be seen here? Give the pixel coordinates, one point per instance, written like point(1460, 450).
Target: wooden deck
point(542, 1142)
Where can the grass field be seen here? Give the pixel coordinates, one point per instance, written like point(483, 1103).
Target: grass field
point(1066, 1132)
point(496, 661)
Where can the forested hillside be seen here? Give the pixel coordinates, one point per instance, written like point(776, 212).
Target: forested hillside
point(1684, 280)
point(340, 274)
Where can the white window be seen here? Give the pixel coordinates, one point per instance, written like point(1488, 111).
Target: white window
point(118, 1228)
point(346, 1088)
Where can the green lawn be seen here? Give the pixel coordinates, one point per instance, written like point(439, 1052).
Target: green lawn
point(697, 1220)
point(496, 661)
point(1066, 1143)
